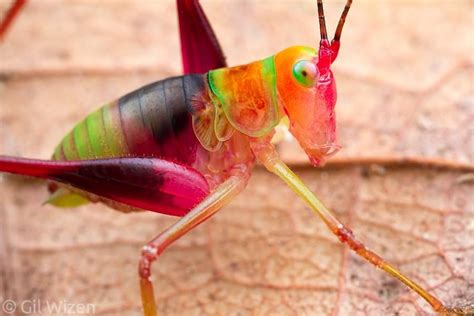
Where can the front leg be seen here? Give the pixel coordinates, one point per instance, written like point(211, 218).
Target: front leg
point(268, 156)
point(222, 195)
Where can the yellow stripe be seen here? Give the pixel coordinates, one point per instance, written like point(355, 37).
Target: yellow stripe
point(69, 148)
point(113, 130)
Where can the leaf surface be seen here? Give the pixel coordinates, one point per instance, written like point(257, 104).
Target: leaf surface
point(404, 92)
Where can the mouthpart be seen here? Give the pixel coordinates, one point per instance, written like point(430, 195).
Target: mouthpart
point(318, 155)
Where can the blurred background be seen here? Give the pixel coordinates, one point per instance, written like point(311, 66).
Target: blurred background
point(403, 180)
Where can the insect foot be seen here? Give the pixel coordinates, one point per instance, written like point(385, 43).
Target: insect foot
point(455, 311)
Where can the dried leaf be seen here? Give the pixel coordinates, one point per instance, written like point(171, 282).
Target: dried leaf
point(263, 253)
point(403, 92)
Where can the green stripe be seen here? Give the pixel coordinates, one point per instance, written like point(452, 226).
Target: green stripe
point(81, 139)
point(97, 137)
point(269, 78)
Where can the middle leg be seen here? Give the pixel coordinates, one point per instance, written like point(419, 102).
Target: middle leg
point(222, 195)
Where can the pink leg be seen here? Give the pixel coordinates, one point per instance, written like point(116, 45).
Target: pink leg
point(208, 207)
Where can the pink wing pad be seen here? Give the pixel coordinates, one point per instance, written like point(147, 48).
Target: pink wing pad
point(200, 49)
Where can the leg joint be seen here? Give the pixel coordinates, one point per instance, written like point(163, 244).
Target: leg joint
point(149, 254)
point(346, 236)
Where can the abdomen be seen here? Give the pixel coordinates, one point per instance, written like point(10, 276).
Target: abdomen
point(153, 121)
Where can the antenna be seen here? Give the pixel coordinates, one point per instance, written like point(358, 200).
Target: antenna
point(322, 21)
point(328, 51)
point(340, 25)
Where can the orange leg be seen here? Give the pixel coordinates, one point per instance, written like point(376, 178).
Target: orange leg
point(269, 157)
point(222, 195)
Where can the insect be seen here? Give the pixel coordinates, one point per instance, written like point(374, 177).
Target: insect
point(185, 146)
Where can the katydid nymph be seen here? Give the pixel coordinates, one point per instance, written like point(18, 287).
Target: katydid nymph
point(185, 146)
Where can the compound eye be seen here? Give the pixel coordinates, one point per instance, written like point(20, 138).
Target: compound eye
point(306, 73)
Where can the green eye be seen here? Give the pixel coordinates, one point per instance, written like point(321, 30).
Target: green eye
point(305, 73)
